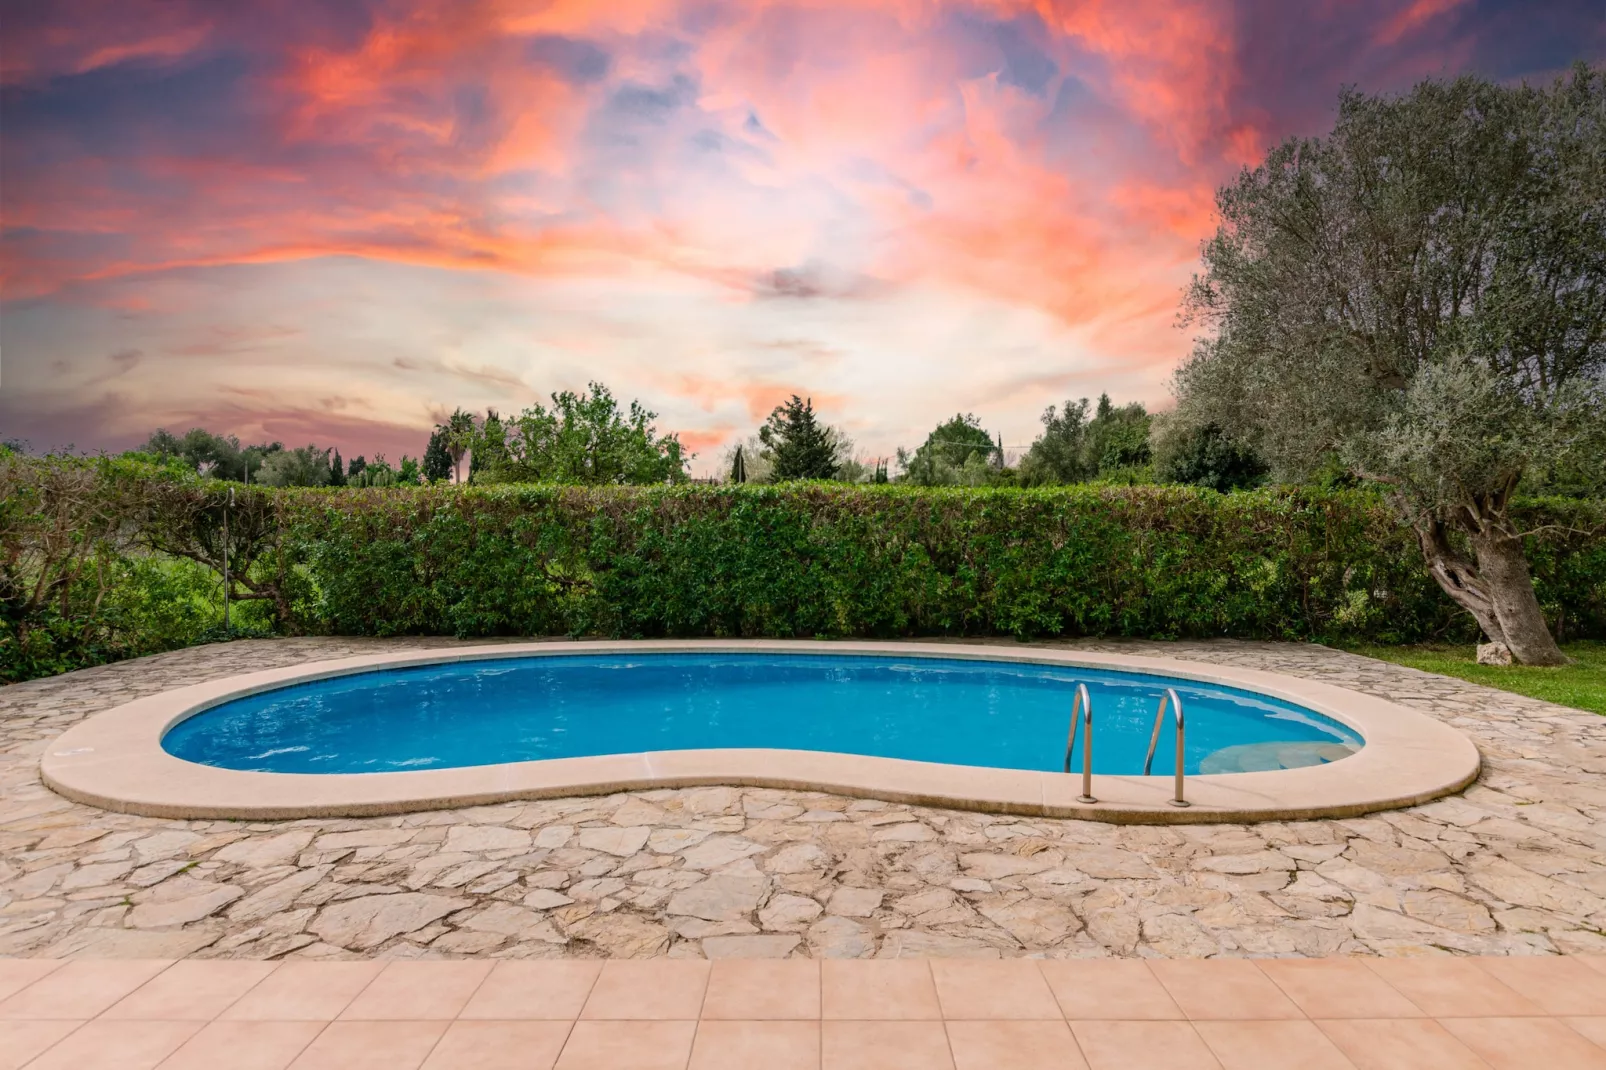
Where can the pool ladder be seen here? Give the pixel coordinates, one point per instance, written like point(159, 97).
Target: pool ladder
point(1082, 717)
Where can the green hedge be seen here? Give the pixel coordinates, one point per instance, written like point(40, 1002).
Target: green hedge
point(130, 555)
point(839, 561)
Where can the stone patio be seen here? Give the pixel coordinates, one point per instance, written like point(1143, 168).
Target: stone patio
point(1515, 866)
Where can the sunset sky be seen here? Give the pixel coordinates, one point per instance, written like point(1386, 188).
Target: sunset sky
point(334, 221)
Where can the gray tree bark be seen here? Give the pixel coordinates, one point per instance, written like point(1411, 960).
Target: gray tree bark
point(1498, 590)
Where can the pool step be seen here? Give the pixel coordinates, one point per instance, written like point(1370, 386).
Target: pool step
point(1262, 757)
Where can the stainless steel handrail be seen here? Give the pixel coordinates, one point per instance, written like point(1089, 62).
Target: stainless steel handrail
point(1083, 702)
point(1175, 701)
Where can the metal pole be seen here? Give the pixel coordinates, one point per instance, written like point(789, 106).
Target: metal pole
point(1176, 704)
point(1082, 702)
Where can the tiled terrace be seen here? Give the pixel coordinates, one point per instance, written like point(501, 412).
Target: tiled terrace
point(944, 1014)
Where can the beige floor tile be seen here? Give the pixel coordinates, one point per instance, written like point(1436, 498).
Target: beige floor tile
point(1143, 1046)
point(1559, 984)
point(756, 1045)
point(977, 989)
point(884, 1045)
point(116, 1046)
point(304, 992)
point(655, 989)
point(499, 1046)
point(762, 989)
point(1017, 1045)
point(551, 989)
point(370, 1046)
point(21, 1041)
point(1527, 1043)
point(1223, 989)
point(414, 991)
point(193, 990)
point(1594, 962)
point(1283, 1045)
point(17, 974)
point(1400, 1044)
point(1593, 1028)
point(878, 989)
point(1337, 988)
point(244, 1046)
point(1444, 986)
point(1108, 990)
point(80, 989)
point(616, 1045)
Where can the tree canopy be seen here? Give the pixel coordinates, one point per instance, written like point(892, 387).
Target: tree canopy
point(799, 446)
point(583, 438)
point(1422, 295)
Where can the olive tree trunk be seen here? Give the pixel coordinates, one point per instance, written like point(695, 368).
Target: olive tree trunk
point(1498, 589)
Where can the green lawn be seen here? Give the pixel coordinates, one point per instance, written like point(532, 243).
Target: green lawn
point(1581, 684)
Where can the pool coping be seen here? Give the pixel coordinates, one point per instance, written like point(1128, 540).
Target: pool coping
point(114, 759)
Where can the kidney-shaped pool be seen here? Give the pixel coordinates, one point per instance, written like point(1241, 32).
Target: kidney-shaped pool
point(1003, 714)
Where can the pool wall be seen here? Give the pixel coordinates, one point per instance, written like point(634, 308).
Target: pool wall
point(115, 759)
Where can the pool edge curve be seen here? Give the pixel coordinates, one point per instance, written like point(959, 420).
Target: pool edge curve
point(114, 759)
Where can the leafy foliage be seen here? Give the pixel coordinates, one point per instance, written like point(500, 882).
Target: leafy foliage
point(1423, 294)
point(958, 452)
point(583, 439)
point(1205, 457)
point(800, 447)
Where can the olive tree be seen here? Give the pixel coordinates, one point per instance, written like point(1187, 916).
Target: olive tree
point(1422, 295)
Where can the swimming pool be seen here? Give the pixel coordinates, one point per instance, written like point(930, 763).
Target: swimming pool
point(998, 714)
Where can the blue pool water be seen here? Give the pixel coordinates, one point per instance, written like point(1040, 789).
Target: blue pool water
point(988, 713)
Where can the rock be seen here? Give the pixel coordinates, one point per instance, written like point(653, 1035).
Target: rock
point(668, 841)
point(1448, 911)
point(1494, 654)
point(1260, 862)
point(914, 944)
point(1036, 923)
point(277, 896)
point(94, 876)
point(719, 898)
point(750, 947)
point(132, 943)
point(838, 938)
point(554, 836)
point(907, 832)
point(164, 844)
point(622, 936)
point(1115, 929)
point(156, 872)
point(855, 902)
point(361, 924)
point(788, 913)
point(720, 851)
point(1177, 936)
point(622, 842)
point(639, 812)
point(1109, 863)
point(546, 899)
point(995, 866)
point(467, 943)
point(261, 852)
point(472, 839)
point(338, 841)
point(180, 907)
point(798, 858)
point(504, 918)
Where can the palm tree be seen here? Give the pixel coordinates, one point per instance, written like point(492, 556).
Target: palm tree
point(460, 430)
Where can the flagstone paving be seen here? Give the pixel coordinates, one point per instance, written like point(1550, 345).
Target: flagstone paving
point(1514, 866)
